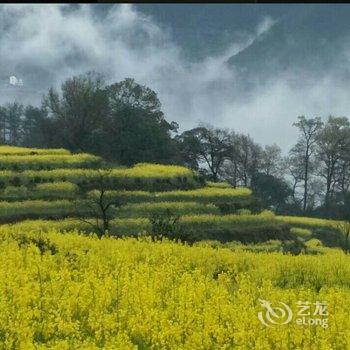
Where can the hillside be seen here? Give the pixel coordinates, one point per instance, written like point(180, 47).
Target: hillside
point(307, 44)
point(56, 189)
point(64, 287)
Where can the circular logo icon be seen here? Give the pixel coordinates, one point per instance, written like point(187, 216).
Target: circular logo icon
point(278, 315)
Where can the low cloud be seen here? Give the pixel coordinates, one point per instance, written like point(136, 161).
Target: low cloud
point(45, 44)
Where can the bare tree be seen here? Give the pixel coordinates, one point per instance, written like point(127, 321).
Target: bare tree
point(295, 171)
point(206, 144)
point(100, 205)
point(247, 154)
point(246, 159)
point(272, 161)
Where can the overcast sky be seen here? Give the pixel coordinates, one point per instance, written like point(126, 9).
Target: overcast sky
point(45, 44)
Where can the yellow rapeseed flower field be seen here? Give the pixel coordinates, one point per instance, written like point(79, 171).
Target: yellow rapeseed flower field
point(70, 291)
point(13, 150)
point(147, 172)
point(208, 194)
point(47, 161)
point(309, 222)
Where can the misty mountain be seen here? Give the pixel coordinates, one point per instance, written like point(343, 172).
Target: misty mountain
point(251, 67)
point(208, 29)
point(310, 43)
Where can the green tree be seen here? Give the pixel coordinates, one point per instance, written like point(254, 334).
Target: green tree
point(249, 156)
point(136, 129)
point(13, 123)
point(274, 192)
point(130, 94)
point(206, 145)
point(3, 124)
point(333, 146)
point(272, 161)
point(36, 128)
point(302, 153)
point(80, 111)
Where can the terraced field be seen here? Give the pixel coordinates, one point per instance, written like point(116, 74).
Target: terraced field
point(55, 187)
point(64, 288)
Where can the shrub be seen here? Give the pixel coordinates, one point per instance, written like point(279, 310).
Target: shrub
point(312, 243)
point(42, 243)
point(327, 231)
point(302, 233)
point(329, 237)
point(165, 223)
point(294, 247)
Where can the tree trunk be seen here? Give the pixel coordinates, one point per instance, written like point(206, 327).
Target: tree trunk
point(306, 178)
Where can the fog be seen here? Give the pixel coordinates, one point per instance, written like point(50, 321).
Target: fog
point(45, 44)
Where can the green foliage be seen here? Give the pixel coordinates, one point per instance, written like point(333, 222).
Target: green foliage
point(294, 247)
point(302, 233)
point(344, 229)
point(78, 113)
point(136, 136)
point(42, 243)
point(205, 144)
point(125, 196)
point(314, 242)
point(325, 230)
point(165, 223)
point(122, 122)
point(274, 192)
